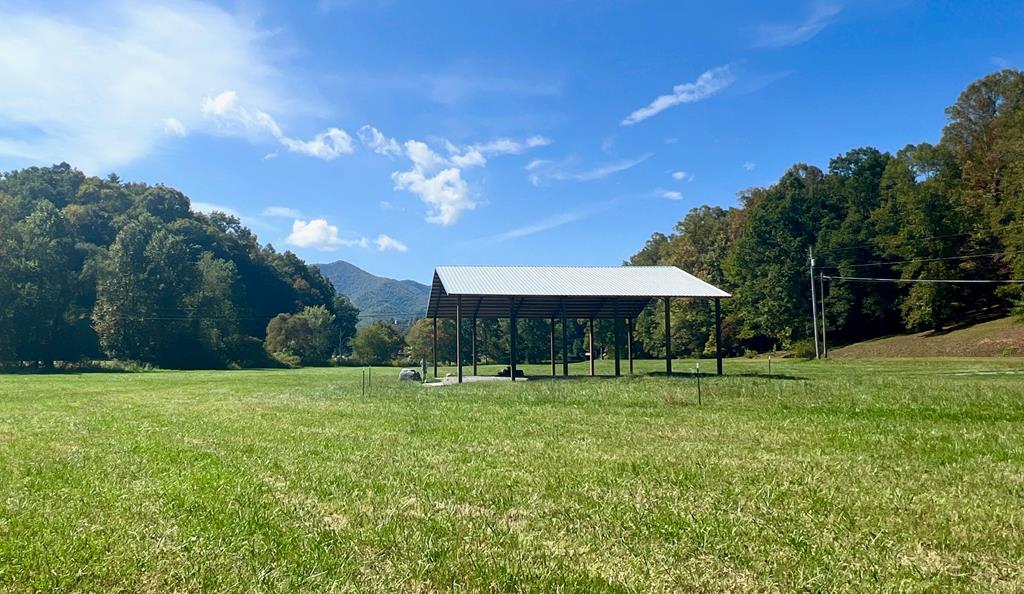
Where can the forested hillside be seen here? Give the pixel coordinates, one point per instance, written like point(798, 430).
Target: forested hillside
point(377, 297)
point(949, 211)
point(96, 268)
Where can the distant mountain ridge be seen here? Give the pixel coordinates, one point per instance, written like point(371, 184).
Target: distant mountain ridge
point(377, 297)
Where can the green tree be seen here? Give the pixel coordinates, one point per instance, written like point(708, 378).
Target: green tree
point(377, 343)
point(346, 318)
point(212, 307)
point(922, 225)
point(308, 335)
point(768, 265)
point(419, 340)
point(140, 311)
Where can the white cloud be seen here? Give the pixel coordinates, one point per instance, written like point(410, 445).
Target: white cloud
point(326, 145)
point(209, 207)
point(437, 184)
point(749, 166)
point(438, 180)
point(102, 85)
point(476, 155)
point(318, 234)
point(232, 117)
point(423, 157)
point(386, 242)
point(281, 211)
point(681, 175)
point(269, 156)
point(670, 194)
point(781, 35)
point(707, 84)
point(174, 127)
point(471, 158)
point(542, 170)
point(378, 143)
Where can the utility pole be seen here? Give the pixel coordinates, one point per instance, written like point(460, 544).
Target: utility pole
point(814, 305)
point(821, 290)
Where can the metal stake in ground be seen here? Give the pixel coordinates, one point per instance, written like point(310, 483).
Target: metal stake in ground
point(698, 382)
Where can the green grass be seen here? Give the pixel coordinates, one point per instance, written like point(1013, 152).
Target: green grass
point(864, 475)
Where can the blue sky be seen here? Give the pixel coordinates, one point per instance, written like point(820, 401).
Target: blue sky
point(402, 135)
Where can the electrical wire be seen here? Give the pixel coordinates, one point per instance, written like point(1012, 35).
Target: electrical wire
point(968, 257)
point(924, 280)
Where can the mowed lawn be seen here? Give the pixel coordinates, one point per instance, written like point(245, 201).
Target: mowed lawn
point(859, 475)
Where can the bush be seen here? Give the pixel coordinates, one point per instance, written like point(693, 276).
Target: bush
point(288, 359)
point(804, 349)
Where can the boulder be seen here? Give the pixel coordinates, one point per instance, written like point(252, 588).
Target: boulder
point(409, 375)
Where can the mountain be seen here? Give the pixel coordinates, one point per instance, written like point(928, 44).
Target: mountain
point(377, 297)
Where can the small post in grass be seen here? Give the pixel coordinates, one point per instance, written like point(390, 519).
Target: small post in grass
point(769, 368)
point(698, 382)
point(362, 388)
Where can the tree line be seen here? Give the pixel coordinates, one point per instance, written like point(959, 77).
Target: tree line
point(95, 268)
point(947, 211)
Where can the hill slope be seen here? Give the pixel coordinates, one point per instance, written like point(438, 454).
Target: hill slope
point(377, 297)
point(1002, 337)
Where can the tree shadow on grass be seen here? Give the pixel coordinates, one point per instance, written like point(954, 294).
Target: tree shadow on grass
point(689, 375)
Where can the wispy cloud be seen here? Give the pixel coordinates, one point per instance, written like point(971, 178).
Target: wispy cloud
point(749, 166)
point(1000, 62)
point(542, 170)
point(670, 194)
point(232, 117)
point(209, 207)
point(781, 35)
point(373, 139)
point(546, 223)
point(282, 211)
point(707, 84)
point(681, 176)
point(101, 92)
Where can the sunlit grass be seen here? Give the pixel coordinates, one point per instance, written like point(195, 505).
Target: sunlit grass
point(839, 475)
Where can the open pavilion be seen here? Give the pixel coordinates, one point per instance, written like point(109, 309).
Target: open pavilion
point(617, 293)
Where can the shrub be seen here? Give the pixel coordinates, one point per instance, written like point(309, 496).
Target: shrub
point(804, 349)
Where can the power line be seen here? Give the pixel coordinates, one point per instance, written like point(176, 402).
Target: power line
point(925, 280)
point(969, 257)
point(912, 239)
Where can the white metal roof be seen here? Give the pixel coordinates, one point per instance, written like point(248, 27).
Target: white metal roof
point(574, 281)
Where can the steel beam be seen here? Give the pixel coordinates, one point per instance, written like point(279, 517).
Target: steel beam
point(629, 343)
point(565, 343)
point(616, 323)
point(458, 335)
point(668, 337)
point(592, 347)
point(718, 333)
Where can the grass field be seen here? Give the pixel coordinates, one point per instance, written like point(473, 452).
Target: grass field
point(853, 475)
